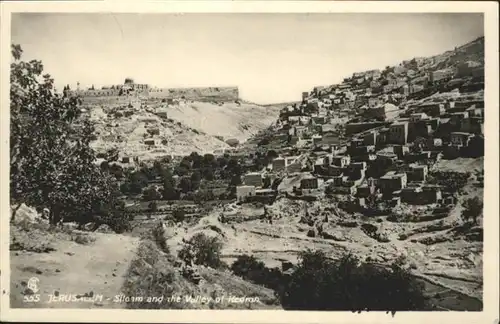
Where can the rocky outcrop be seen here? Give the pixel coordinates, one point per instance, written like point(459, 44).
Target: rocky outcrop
point(23, 213)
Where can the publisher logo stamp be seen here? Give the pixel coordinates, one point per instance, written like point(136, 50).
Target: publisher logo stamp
point(33, 284)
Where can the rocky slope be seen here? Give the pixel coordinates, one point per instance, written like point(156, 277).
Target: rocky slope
point(176, 129)
point(229, 120)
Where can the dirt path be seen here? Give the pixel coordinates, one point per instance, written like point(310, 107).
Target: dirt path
point(95, 271)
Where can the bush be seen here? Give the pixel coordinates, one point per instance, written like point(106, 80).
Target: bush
point(179, 215)
point(150, 194)
point(153, 206)
point(114, 215)
point(451, 181)
point(203, 250)
point(321, 284)
point(473, 208)
point(158, 234)
point(249, 268)
point(233, 142)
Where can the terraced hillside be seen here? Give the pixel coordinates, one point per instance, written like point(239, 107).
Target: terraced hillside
point(158, 129)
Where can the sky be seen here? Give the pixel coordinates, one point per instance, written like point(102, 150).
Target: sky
point(271, 57)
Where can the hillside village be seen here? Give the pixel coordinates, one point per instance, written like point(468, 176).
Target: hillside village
point(379, 133)
point(381, 165)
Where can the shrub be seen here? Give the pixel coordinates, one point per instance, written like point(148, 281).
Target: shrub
point(150, 194)
point(473, 208)
point(153, 206)
point(451, 181)
point(232, 142)
point(203, 250)
point(158, 234)
point(321, 284)
point(179, 215)
point(249, 268)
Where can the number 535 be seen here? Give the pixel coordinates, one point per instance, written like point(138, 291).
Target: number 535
point(31, 298)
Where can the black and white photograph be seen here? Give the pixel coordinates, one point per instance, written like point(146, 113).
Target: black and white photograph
point(265, 161)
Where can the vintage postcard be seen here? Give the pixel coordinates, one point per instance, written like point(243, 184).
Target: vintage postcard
point(257, 162)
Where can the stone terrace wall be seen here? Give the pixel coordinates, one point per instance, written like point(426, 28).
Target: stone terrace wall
point(199, 94)
point(107, 100)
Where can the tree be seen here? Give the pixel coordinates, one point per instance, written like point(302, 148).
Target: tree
point(179, 215)
point(169, 192)
point(208, 159)
point(249, 268)
point(452, 181)
point(473, 208)
point(202, 250)
point(153, 206)
point(419, 144)
point(51, 161)
point(137, 182)
point(196, 159)
point(235, 180)
point(271, 154)
point(105, 165)
point(266, 182)
point(347, 284)
point(185, 185)
point(150, 194)
point(208, 173)
point(195, 180)
point(116, 170)
point(157, 168)
point(184, 166)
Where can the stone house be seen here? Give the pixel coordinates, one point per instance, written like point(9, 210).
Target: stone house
point(418, 173)
point(457, 118)
point(392, 182)
point(421, 195)
point(475, 111)
point(243, 192)
point(385, 111)
point(434, 109)
point(398, 132)
point(150, 142)
point(253, 179)
point(340, 161)
point(310, 182)
point(473, 125)
point(279, 164)
point(418, 117)
point(460, 139)
point(370, 138)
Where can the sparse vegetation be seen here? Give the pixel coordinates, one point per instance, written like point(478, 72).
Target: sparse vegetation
point(321, 284)
point(158, 233)
point(249, 268)
point(153, 206)
point(451, 181)
point(202, 249)
point(473, 208)
point(179, 215)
